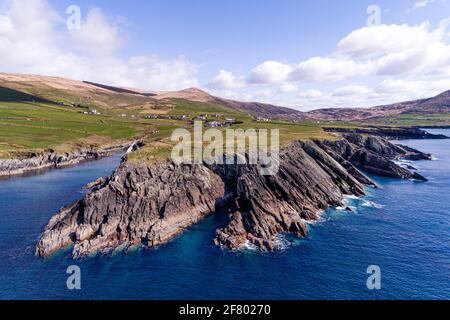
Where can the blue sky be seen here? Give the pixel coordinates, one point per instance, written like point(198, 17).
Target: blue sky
point(224, 46)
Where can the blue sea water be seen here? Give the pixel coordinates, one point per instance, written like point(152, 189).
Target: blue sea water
point(403, 227)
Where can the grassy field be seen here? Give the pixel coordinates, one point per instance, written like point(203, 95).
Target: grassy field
point(413, 120)
point(36, 126)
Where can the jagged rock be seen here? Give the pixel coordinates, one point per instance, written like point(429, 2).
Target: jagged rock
point(95, 184)
point(137, 205)
point(50, 159)
point(142, 204)
point(374, 154)
point(309, 181)
point(391, 133)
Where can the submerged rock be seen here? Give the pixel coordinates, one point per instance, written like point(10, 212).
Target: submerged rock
point(143, 204)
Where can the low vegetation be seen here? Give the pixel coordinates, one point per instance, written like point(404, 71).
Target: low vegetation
point(36, 118)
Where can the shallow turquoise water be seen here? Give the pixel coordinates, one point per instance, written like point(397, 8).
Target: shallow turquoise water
point(405, 231)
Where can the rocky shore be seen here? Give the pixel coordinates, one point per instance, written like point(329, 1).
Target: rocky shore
point(390, 133)
point(143, 204)
point(51, 159)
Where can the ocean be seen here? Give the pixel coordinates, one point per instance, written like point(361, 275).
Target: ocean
point(402, 227)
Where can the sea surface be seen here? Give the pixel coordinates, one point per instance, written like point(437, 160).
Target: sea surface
point(403, 227)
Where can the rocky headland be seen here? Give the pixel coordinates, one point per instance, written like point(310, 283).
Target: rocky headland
point(149, 204)
point(391, 133)
point(49, 159)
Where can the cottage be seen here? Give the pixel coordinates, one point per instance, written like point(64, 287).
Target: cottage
point(262, 119)
point(214, 124)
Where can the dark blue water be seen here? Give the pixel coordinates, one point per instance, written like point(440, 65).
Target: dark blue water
point(405, 231)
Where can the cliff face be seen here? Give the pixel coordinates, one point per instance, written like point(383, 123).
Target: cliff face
point(390, 132)
point(149, 205)
point(136, 205)
point(50, 159)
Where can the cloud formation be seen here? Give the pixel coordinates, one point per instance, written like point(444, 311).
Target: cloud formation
point(378, 50)
point(34, 39)
point(225, 80)
point(410, 58)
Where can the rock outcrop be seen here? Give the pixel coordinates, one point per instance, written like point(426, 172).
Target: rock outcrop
point(391, 133)
point(51, 159)
point(136, 205)
point(142, 204)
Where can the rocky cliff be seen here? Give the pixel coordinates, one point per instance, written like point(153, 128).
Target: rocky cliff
point(51, 159)
point(142, 204)
point(391, 133)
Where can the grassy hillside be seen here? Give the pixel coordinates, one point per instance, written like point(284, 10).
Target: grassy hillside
point(38, 113)
point(35, 126)
point(413, 120)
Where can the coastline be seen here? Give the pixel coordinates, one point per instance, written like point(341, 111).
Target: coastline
point(53, 160)
point(346, 241)
point(151, 204)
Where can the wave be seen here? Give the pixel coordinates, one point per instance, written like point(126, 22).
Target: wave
point(372, 204)
point(250, 247)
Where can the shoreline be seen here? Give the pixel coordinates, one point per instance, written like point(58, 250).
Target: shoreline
point(154, 203)
point(16, 167)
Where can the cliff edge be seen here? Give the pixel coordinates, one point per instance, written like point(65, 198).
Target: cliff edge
point(142, 204)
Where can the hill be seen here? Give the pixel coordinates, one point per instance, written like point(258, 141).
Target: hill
point(431, 106)
point(119, 100)
point(253, 108)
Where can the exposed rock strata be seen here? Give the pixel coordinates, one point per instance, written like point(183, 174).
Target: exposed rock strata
point(149, 205)
point(137, 205)
point(390, 132)
point(51, 159)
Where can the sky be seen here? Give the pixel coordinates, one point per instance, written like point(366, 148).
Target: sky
point(299, 53)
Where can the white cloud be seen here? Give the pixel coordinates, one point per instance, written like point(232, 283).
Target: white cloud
point(288, 87)
point(310, 94)
point(329, 69)
point(419, 55)
point(357, 95)
point(225, 80)
point(369, 51)
point(270, 72)
point(351, 90)
point(416, 89)
point(97, 36)
point(421, 4)
point(33, 39)
point(381, 40)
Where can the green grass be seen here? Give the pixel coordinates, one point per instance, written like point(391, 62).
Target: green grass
point(88, 99)
point(413, 120)
point(31, 126)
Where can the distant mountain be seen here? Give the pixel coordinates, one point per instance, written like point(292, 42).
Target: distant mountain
point(65, 91)
point(256, 108)
point(436, 105)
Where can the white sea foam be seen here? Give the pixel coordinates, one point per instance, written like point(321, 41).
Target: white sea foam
point(353, 197)
point(282, 243)
point(372, 204)
point(250, 246)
